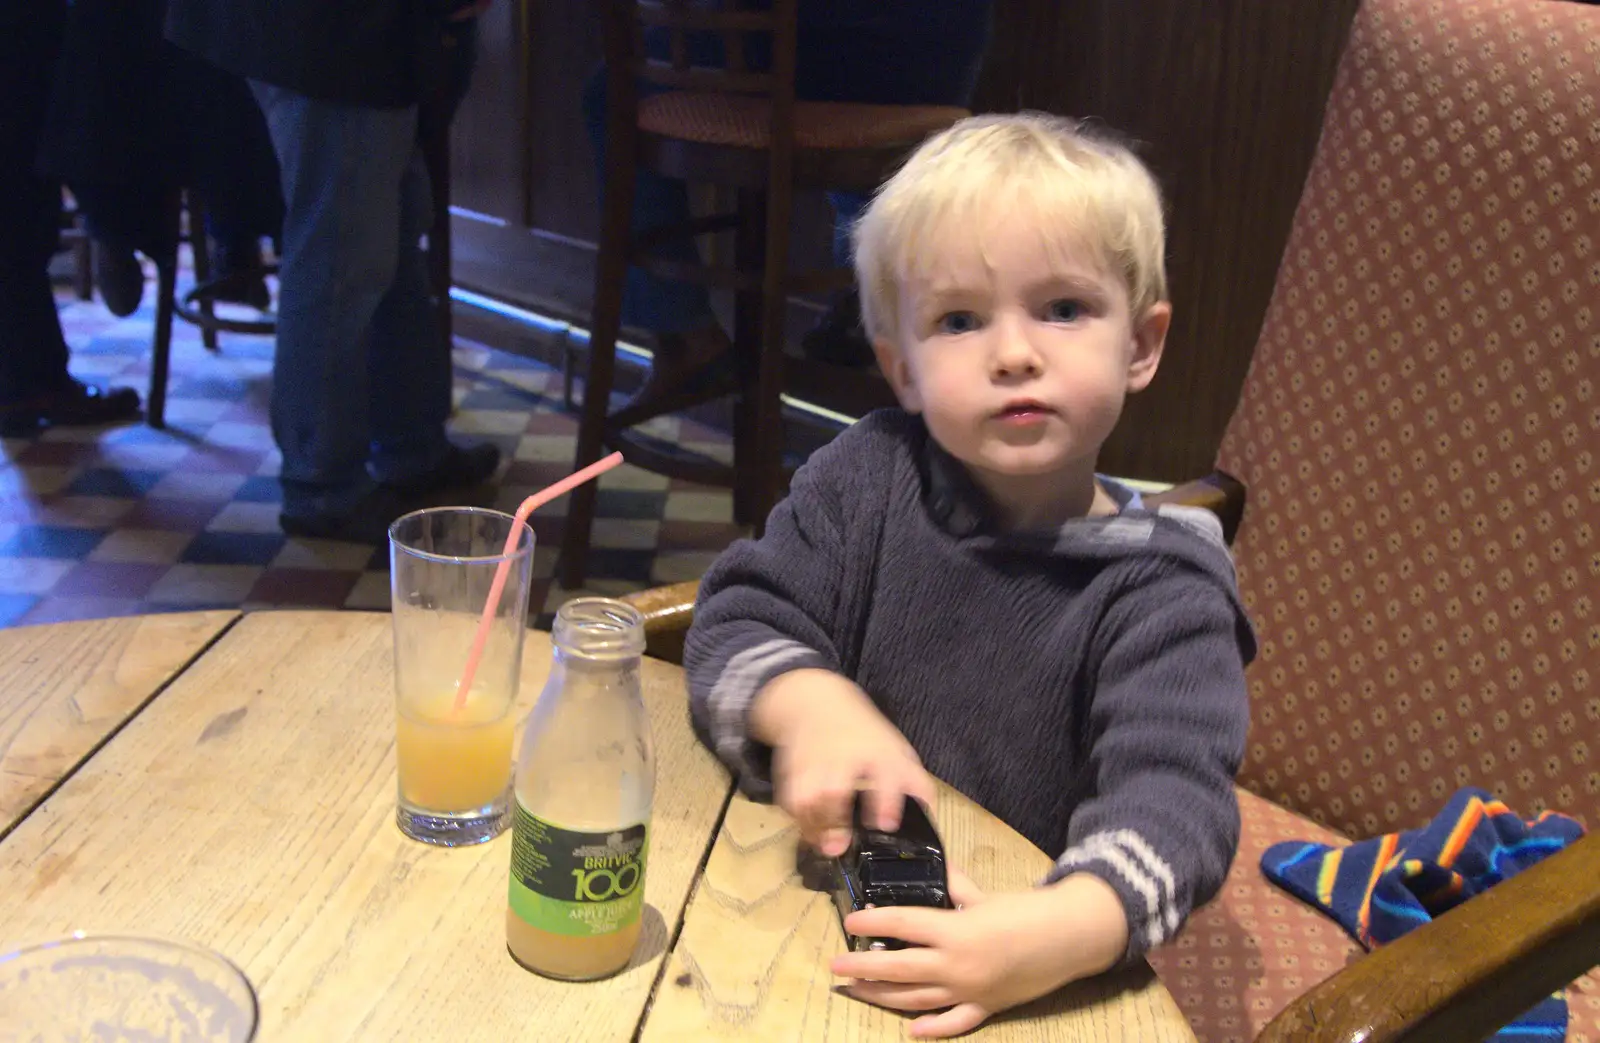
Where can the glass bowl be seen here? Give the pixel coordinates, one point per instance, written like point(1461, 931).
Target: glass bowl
point(109, 989)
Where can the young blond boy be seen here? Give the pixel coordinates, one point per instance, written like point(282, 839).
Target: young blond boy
point(950, 588)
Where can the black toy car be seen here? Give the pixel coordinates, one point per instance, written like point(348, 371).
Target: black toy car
point(905, 867)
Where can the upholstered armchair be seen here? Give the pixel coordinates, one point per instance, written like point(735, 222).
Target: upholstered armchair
point(1419, 439)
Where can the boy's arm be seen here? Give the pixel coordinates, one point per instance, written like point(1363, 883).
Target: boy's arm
point(1168, 726)
point(763, 611)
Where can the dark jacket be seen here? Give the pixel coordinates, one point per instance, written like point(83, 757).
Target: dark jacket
point(127, 106)
point(357, 52)
point(132, 117)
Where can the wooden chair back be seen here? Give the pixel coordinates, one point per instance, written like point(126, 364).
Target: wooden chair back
point(1419, 431)
point(704, 46)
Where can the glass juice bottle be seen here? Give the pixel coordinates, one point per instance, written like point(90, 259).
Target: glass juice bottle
point(584, 785)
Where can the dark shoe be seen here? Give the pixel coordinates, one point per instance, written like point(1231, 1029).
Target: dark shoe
point(237, 271)
point(120, 278)
point(839, 338)
point(76, 405)
point(464, 468)
point(367, 522)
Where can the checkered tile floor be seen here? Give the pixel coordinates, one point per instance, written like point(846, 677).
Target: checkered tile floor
point(126, 520)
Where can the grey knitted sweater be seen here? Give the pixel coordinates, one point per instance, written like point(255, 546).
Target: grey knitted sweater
point(1086, 685)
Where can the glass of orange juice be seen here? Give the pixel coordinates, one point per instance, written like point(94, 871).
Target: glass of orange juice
point(453, 753)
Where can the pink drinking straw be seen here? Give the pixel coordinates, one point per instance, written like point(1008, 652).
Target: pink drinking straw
point(531, 504)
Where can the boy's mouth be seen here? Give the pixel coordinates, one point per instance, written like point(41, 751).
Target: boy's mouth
point(1024, 411)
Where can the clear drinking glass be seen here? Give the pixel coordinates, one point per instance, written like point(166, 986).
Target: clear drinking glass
point(454, 763)
point(99, 988)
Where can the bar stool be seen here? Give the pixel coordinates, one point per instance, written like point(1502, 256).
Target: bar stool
point(739, 128)
point(196, 307)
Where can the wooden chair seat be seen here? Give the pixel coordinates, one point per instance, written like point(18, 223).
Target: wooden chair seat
point(1255, 949)
point(745, 121)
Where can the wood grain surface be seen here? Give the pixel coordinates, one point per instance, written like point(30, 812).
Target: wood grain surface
point(752, 961)
point(65, 687)
point(251, 809)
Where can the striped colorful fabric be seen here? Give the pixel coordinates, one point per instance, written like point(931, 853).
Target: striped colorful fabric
point(1381, 888)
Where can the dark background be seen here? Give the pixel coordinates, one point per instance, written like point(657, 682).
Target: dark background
point(1225, 96)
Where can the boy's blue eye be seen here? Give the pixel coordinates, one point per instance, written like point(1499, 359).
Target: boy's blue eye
point(957, 322)
point(1066, 311)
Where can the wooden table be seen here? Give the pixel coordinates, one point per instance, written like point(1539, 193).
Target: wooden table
point(231, 781)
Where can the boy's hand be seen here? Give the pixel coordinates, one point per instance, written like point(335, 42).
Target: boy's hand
point(986, 955)
point(828, 741)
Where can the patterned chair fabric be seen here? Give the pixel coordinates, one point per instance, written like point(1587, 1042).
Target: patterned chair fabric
point(1419, 433)
point(1243, 958)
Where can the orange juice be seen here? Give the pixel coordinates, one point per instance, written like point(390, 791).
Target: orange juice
point(453, 761)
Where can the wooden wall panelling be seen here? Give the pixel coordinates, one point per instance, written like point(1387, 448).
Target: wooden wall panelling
point(488, 151)
point(1226, 97)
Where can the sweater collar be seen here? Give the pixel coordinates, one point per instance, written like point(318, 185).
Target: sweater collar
point(959, 506)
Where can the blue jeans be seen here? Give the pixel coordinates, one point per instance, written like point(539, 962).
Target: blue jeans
point(887, 52)
point(362, 375)
point(362, 371)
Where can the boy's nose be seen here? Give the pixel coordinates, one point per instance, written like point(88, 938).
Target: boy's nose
point(1014, 356)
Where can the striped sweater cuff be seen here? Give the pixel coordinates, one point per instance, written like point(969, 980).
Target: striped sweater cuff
point(1141, 877)
point(728, 703)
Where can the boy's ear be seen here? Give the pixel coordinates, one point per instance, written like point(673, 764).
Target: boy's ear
point(1149, 338)
point(893, 363)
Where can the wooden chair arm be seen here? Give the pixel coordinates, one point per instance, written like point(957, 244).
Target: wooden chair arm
point(1221, 494)
point(1468, 972)
point(667, 612)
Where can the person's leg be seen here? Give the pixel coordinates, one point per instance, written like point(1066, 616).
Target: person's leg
point(888, 52)
point(343, 167)
point(33, 353)
point(884, 52)
point(121, 218)
point(231, 169)
point(236, 218)
point(35, 386)
point(408, 366)
point(236, 261)
point(658, 305)
point(689, 342)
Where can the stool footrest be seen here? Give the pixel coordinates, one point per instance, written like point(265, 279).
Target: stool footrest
point(207, 293)
point(674, 461)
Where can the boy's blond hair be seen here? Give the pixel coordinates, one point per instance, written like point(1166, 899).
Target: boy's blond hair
point(1083, 188)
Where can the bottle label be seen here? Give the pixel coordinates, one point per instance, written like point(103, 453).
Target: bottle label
point(583, 885)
